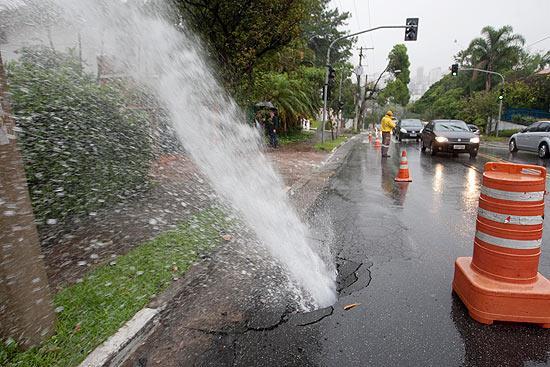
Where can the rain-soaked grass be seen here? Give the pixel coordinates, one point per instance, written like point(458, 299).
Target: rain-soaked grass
point(329, 144)
point(295, 137)
point(92, 310)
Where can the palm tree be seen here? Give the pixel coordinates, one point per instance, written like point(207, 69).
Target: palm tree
point(496, 49)
point(290, 96)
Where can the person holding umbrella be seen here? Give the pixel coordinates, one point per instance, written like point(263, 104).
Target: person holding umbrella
point(272, 125)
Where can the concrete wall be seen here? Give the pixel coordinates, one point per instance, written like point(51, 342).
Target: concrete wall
point(505, 125)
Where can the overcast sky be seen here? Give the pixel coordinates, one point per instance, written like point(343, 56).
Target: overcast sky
point(445, 26)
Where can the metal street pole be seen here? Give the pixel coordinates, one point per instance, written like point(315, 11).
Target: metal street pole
point(358, 95)
point(325, 87)
point(500, 100)
point(340, 103)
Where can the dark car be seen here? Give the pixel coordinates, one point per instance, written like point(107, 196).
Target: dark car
point(451, 136)
point(408, 129)
point(474, 129)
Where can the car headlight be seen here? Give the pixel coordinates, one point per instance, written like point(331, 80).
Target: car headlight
point(474, 140)
point(403, 131)
point(441, 139)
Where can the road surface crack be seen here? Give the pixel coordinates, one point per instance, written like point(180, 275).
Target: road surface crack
point(319, 319)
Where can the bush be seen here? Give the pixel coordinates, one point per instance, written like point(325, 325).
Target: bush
point(83, 147)
point(523, 119)
point(507, 133)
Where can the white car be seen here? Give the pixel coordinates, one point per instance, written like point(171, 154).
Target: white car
point(534, 138)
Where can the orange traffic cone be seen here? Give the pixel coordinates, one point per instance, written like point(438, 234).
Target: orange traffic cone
point(403, 175)
point(377, 142)
point(501, 281)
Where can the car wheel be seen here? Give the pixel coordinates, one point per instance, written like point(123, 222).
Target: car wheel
point(417, 140)
point(473, 155)
point(543, 150)
point(432, 150)
point(512, 146)
point(423, 147)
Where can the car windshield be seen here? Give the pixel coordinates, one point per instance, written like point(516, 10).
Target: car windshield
point(451, 126)
point(411, 123)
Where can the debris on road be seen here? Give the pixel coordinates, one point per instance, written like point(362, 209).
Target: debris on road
point(350, 306)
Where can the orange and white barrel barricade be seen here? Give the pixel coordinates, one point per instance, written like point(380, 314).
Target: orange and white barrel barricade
point(403, 175)
point(501, 281)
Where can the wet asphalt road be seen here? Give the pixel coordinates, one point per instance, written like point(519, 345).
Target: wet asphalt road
point(396, 245)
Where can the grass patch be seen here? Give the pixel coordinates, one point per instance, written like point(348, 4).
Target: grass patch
point(110, 295)
point(295, 137)
point(492, 138)
point(329, 145)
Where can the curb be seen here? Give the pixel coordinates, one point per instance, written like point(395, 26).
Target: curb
point(300, 192)
point(127, 336)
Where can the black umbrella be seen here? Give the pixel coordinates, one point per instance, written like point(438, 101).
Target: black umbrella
point(265, 104)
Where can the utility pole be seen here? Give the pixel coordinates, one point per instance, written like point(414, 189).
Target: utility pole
point(409, 28)
point(26, 309)
point(359, 71)
point(340, 113)
point(80, 52)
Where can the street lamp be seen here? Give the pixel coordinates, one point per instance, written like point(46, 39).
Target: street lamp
point(325, 87)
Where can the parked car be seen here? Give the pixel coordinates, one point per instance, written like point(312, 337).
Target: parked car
point(452, 136)
point(474, 129)
point(408, 129)
point(535, 138)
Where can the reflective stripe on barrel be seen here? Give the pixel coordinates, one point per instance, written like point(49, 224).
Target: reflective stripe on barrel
point(509, 243)
point(512, 196)
point(510, 219)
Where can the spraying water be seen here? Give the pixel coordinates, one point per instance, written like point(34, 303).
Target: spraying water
point(209, 124)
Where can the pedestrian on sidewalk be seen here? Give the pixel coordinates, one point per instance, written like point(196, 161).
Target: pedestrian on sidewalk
point(386, 125)
point(272, 125)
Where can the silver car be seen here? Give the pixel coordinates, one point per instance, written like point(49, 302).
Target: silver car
point(534, 138)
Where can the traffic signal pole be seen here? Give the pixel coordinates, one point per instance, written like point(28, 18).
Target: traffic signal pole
point(325, 87)
point(499, 100)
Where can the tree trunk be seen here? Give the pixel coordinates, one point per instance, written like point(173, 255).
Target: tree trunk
point(26, 309)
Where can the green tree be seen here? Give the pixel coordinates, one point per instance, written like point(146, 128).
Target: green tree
point(291, 96)
point(497, 50)
point(395, 92)
point(240, 33)
point(321, 27)
point(399, 63)
point(479, 108)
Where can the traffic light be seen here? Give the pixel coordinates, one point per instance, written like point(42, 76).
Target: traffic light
point(501, 94)
point(331, 74)
point(411, 32)
point(454, 69)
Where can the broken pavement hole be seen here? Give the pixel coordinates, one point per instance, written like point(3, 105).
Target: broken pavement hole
point(352, 276)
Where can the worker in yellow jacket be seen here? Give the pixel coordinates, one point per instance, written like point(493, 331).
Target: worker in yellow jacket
point(386, 125)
